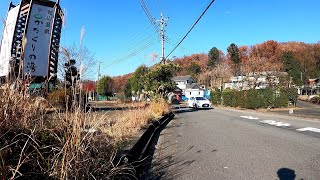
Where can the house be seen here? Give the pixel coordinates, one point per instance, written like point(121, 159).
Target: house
point(188, 86)
point(175, 96)
point(311, 87)
point(259, 80)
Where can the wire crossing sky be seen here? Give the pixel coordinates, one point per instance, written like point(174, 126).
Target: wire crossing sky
point(120, 35)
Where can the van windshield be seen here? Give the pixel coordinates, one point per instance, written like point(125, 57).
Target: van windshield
point(200, 98)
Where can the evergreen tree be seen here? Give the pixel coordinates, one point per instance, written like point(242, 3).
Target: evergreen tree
point(293, 68)
point(234, 54)
point(214, 57)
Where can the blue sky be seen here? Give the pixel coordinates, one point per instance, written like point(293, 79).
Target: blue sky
point(120, 35)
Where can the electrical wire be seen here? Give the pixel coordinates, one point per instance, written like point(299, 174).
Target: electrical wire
point(142, 46)
point(191, 28)
point(181, 46)
point(133, 42)
point(156, 2)
point(144, 43)
point(149, 15)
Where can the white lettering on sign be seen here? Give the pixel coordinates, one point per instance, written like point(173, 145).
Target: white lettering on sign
point(275, 123)
point(309, 129)
point(249, 117)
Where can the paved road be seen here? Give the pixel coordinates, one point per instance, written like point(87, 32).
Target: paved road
point(303, 109)
point(232, 144)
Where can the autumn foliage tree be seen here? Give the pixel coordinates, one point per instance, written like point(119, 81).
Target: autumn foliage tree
point(269, 57)
point(119, 83)
point(194, 69)
point(186, 61)
point(89, 86)
point(316, 56)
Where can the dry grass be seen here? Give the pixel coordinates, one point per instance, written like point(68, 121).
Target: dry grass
point(62, 146)
point(122, 125)
point(315, 99)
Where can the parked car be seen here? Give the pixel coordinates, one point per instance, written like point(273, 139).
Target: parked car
point(199, 102)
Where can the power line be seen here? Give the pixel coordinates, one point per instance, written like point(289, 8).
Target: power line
point(149, 15)
point(184, 49)
point(156, 2)
point(191, 28)
point(134, 52)
point(134, 42)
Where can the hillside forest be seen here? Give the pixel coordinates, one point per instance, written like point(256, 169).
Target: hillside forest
point(300, 60)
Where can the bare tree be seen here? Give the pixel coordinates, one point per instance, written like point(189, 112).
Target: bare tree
point(216, 76)
point(83, 57)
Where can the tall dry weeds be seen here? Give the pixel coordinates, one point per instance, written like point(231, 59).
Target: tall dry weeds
point(35, 145)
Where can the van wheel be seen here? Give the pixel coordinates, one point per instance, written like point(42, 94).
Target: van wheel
point(195, 106)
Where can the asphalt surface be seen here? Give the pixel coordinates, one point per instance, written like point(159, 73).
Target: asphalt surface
point(234, 144)
point(302, 109)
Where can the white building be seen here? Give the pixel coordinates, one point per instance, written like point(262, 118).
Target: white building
point(259, 80)
point(188, 86)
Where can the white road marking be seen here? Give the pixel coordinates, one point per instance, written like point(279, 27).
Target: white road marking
point(275, 123)
point(249, 117)
point(282, 124)
point(309, 129)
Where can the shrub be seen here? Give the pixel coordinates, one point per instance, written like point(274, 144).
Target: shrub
point(253, 99)
point(315, 100)
point(227, 97)
point(239, 99)
point(57, 98)
point(292, 95)
point(216, 97)
point(267, 97)
point(259, 98)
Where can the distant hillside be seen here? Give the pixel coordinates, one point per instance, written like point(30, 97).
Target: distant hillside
point(294, 57)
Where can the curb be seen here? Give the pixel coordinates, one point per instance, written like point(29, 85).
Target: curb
point(140, 155)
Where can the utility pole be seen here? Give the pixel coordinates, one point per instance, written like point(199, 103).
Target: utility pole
point(98, 80)
point(99, 71)
point(163, 24)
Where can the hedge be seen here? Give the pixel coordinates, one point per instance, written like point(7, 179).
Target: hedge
point(255, 98)
point(215, 97)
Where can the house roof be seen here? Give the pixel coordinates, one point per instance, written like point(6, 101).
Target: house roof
point(182, 78)
point(193, 86)
point(267, 73)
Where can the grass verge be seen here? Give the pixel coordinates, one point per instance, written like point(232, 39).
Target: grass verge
point(70, 145)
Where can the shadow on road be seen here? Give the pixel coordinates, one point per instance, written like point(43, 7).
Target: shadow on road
point(173, 161)
point(178, 167)
point(286, 174)
point(185, 109)
point(145, 169)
